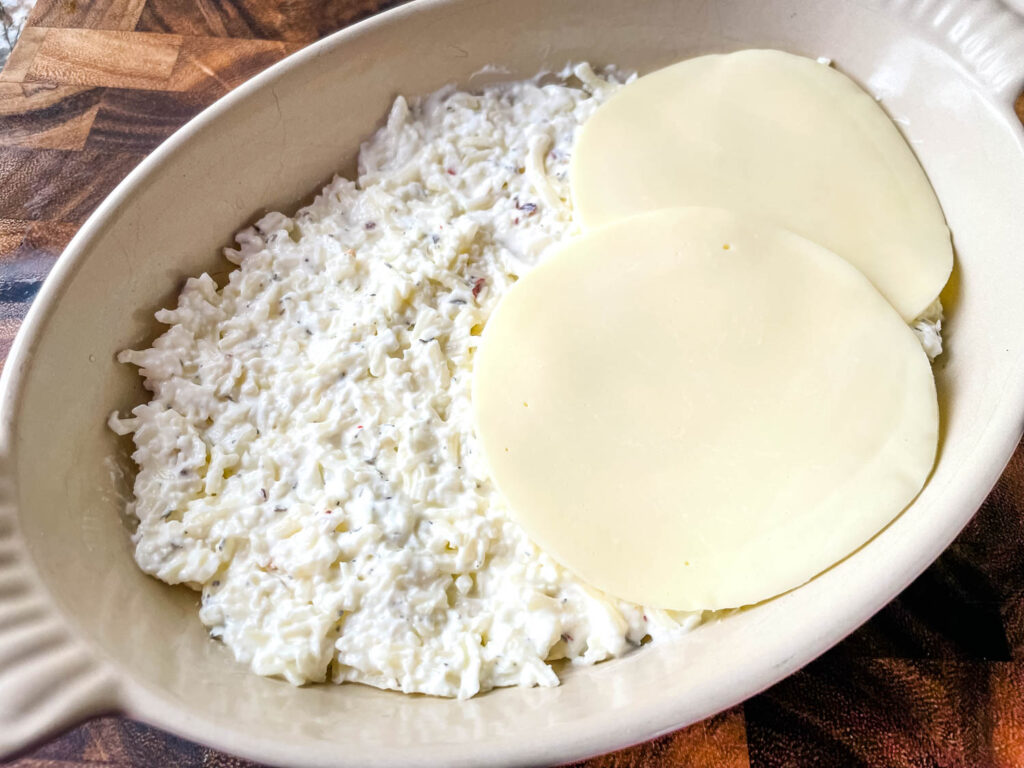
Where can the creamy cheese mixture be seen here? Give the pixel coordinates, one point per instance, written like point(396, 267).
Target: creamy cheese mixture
point(308, 461)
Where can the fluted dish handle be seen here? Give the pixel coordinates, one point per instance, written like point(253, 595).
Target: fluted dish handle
point(49, 680)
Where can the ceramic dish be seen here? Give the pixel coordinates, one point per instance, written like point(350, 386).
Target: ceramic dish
point(82, 630)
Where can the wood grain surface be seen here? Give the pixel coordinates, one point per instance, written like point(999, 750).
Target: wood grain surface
point(935, 679)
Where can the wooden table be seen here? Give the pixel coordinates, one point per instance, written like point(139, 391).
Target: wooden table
point(935, 679)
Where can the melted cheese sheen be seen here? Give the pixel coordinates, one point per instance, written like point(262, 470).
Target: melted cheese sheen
point(697, 410)
point(779, 136)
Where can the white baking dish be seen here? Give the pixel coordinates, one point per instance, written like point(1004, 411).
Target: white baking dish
point(82, 630)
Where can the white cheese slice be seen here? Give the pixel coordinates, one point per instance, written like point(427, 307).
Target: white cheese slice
point(776, 135)
point(697, 410)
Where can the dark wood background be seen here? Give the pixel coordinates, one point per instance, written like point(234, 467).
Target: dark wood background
point(935, 679)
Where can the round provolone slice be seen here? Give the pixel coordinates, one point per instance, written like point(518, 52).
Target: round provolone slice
point(695, 410)
point(779, 136)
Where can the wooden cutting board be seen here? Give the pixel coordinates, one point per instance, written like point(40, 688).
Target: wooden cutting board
point(935, 679)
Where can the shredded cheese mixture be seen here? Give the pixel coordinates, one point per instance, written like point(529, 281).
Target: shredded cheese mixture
point(308, 460)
